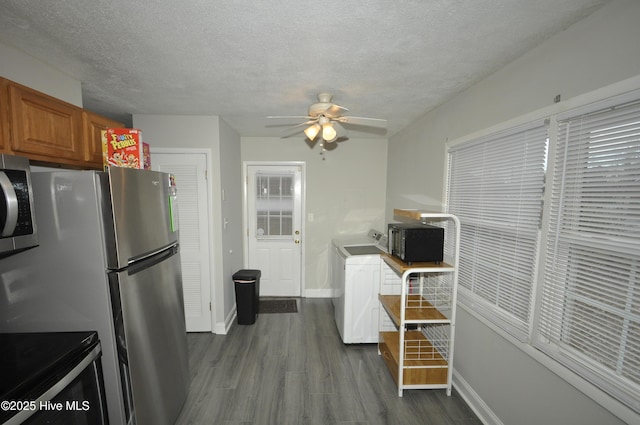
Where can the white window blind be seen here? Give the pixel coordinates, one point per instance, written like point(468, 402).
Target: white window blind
point(590, 304)
point(495, 187)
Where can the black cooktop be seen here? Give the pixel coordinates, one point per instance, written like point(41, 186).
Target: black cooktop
point(31, 362)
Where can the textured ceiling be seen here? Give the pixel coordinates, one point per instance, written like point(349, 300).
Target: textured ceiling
point(245, 60)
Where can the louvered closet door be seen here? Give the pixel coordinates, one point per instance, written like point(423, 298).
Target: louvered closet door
point(190, 173)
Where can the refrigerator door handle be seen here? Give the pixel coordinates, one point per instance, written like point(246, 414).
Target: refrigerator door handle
point(150, 261)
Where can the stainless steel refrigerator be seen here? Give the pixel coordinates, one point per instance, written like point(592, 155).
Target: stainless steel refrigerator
point(108, 261)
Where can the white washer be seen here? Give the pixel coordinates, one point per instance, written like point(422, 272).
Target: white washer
point(355, 275)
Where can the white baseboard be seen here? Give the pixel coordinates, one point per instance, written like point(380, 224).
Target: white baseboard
point(479, 407)
point(222, 328)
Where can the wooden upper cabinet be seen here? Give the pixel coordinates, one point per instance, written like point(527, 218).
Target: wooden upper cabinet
point(93, 125)
point(4, 116)
point(49, 131)
point(43, 127)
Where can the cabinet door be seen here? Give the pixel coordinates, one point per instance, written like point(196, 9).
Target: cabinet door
point(4, 116)
point(43, 127)
point(93, 125)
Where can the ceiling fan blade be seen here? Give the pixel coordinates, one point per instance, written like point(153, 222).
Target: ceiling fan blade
point(290, 127)
point(295, 129)
point(304, 123)
point(362, 121)
point(287, 116)
point(335, 110)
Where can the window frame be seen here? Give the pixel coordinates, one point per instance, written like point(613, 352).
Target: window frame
point(623, 390)
point(605, 392)
point(526, 238)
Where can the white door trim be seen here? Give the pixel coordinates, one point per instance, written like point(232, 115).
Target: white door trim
point(215, 293)
point(245, 222)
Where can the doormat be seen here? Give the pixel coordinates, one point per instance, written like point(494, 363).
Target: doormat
point(278, 306)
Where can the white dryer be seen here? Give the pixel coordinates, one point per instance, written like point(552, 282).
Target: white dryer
point(355, 276)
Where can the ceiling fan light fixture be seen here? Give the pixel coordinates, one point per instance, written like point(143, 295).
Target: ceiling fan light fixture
point(328, 132)
point(312, 131)
point(322, 116)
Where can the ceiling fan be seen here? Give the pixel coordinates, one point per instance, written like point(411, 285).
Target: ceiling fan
point(322, 116)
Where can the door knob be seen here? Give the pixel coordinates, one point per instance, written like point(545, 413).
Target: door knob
point(297, 241)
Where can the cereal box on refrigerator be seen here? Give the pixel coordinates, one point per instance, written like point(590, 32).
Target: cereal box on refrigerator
point(124, 148)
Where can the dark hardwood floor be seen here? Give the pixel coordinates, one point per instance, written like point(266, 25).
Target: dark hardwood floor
point(293, 369)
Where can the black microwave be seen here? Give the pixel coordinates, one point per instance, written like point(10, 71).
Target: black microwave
point(18, 229)
point(413, 243)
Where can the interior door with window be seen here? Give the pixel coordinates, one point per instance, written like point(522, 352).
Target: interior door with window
point(274, 234)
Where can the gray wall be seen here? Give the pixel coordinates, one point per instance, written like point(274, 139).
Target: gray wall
point(511, 386)
point(29, 71)
point(231, 210)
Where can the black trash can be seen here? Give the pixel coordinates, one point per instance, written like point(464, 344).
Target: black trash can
point(247, 283)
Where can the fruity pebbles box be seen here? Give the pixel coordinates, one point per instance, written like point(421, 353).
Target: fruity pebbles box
point(124, 148)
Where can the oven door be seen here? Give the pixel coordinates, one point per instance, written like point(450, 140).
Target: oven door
point(77, 398)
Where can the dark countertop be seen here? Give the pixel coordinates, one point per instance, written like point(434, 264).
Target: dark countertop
point(31, 362)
